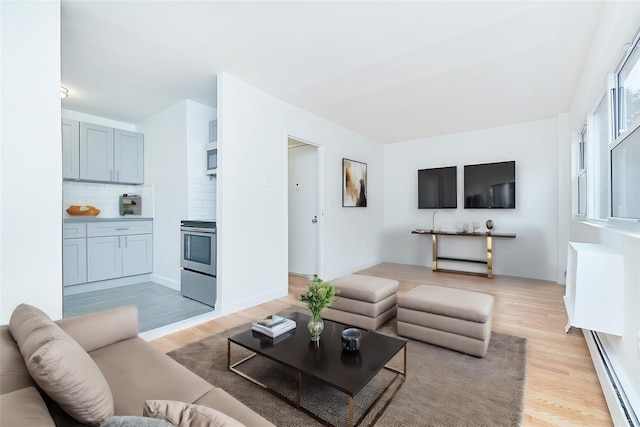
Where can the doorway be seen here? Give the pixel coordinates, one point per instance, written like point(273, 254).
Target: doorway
point(304, 216)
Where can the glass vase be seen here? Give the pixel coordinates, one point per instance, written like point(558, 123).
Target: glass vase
point(316, 325)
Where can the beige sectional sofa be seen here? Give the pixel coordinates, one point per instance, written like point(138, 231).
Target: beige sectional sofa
point(135, 372)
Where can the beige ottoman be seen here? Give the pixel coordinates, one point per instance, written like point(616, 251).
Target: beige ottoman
point(451, 318)
point(366, 302)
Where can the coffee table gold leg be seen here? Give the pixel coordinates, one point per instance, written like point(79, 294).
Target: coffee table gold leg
point(299, 386)
point(350, 411)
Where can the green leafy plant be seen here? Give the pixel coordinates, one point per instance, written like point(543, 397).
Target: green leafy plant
point(319, 296)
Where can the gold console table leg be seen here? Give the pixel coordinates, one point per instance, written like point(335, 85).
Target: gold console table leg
point(489, 257)
point(434, 252)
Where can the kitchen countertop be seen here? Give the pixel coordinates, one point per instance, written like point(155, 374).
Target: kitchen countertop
point(87, 218)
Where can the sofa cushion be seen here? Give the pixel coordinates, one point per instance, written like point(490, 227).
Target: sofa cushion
point(24, 407)
point(60, 366)
point(137, 372)
point(184, 414)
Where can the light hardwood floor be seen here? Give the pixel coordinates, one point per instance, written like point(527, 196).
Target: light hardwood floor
point(562, 388)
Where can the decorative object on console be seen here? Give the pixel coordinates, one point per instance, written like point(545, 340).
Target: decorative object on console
point(476, 226)
point(87, 210)
point(489, 224)
point(319, 296)
point(354, 183)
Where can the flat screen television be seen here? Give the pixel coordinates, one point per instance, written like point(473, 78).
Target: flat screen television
point(437, 188)
point(490, 186)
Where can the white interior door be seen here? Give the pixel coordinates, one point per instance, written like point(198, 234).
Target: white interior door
point(303, 210)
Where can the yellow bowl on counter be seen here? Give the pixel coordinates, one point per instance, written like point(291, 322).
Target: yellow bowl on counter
point(87, 210)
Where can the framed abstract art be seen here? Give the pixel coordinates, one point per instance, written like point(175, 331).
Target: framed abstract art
point(354, 183)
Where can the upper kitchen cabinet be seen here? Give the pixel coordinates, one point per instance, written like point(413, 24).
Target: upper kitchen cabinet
point(101, 154)
point(129, 156)
point(70, 149)
point(97, 153)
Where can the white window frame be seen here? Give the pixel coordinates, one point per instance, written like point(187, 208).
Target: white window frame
point(598, 180)
point(582, 189)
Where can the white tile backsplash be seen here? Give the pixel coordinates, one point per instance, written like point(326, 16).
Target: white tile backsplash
point(201, 198)
point(105, 197)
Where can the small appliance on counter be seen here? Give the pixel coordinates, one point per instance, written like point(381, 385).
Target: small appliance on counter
point(130, 204)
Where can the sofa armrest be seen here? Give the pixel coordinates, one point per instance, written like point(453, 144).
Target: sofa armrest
point(96, 330)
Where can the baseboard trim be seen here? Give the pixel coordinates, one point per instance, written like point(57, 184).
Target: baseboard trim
point(622, 413)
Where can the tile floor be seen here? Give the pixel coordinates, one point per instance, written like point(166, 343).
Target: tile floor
point(157, 305)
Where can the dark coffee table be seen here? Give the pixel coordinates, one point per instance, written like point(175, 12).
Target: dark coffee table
point(326, 362)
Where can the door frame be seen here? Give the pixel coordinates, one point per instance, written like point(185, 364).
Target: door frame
point(319, 195)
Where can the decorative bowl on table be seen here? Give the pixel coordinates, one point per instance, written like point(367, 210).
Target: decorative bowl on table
point(351, 339)
point(86, 210)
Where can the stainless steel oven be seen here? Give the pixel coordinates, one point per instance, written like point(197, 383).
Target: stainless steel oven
point(198, 249)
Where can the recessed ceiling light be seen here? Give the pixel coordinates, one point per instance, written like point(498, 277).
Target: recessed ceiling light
point(64, 92)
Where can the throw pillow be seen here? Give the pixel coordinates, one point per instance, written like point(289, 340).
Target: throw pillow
point(24, 407)
point(184, 414)
point(131, 421)
point(62, 369)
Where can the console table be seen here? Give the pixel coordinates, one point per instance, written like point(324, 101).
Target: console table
point(488, 261)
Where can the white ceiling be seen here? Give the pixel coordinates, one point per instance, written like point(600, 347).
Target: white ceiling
point(394, 71)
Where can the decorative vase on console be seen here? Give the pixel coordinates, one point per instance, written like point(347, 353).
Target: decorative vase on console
point(319, 296)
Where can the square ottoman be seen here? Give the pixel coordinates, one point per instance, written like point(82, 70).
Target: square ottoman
point(453, 318)
point(366, 302)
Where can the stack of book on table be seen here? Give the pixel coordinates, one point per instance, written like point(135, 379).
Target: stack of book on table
point(273, 326)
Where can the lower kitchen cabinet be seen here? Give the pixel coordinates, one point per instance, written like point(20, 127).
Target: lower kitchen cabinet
point(110, 250)
point(74, 259)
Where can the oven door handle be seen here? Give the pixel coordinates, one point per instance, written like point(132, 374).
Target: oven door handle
point(198, 230)
point(188, 243)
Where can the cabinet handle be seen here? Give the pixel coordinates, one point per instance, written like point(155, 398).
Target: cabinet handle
point(120, 229)
point(111, 174)
point(126, 241)
point(117, 175)
point(119, 244)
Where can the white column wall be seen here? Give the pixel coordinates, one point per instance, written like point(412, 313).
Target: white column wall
point(30, 158)
point(252, 195)
point(165, 165)
point(533, 145)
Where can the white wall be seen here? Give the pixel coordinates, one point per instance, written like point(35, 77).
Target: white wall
point(533, 253)
point(165, 166)
point(30, 158)
point(619, 24)
point(253, 128)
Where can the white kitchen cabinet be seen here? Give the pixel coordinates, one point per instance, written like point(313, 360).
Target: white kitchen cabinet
point(96, 153)
point(129, 157)
point(104, 258)
point(70, 149)
point(594, 295)
point(74, 261)
point(74, 253)
point(118, 249)
point(110, 155)
point(137, 256)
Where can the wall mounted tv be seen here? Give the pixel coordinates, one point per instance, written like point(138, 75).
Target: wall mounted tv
point(437, 188)
point(490, 186)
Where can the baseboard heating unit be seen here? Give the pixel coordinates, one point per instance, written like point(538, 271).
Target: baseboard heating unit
point(621, 409)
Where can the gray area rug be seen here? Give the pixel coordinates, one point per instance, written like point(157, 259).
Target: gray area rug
point(443, 387)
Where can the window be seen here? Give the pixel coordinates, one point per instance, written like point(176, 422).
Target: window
point(629, 91)
point(600, 131)
point(625, 150)
point(625, 177)
point(582, 172)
